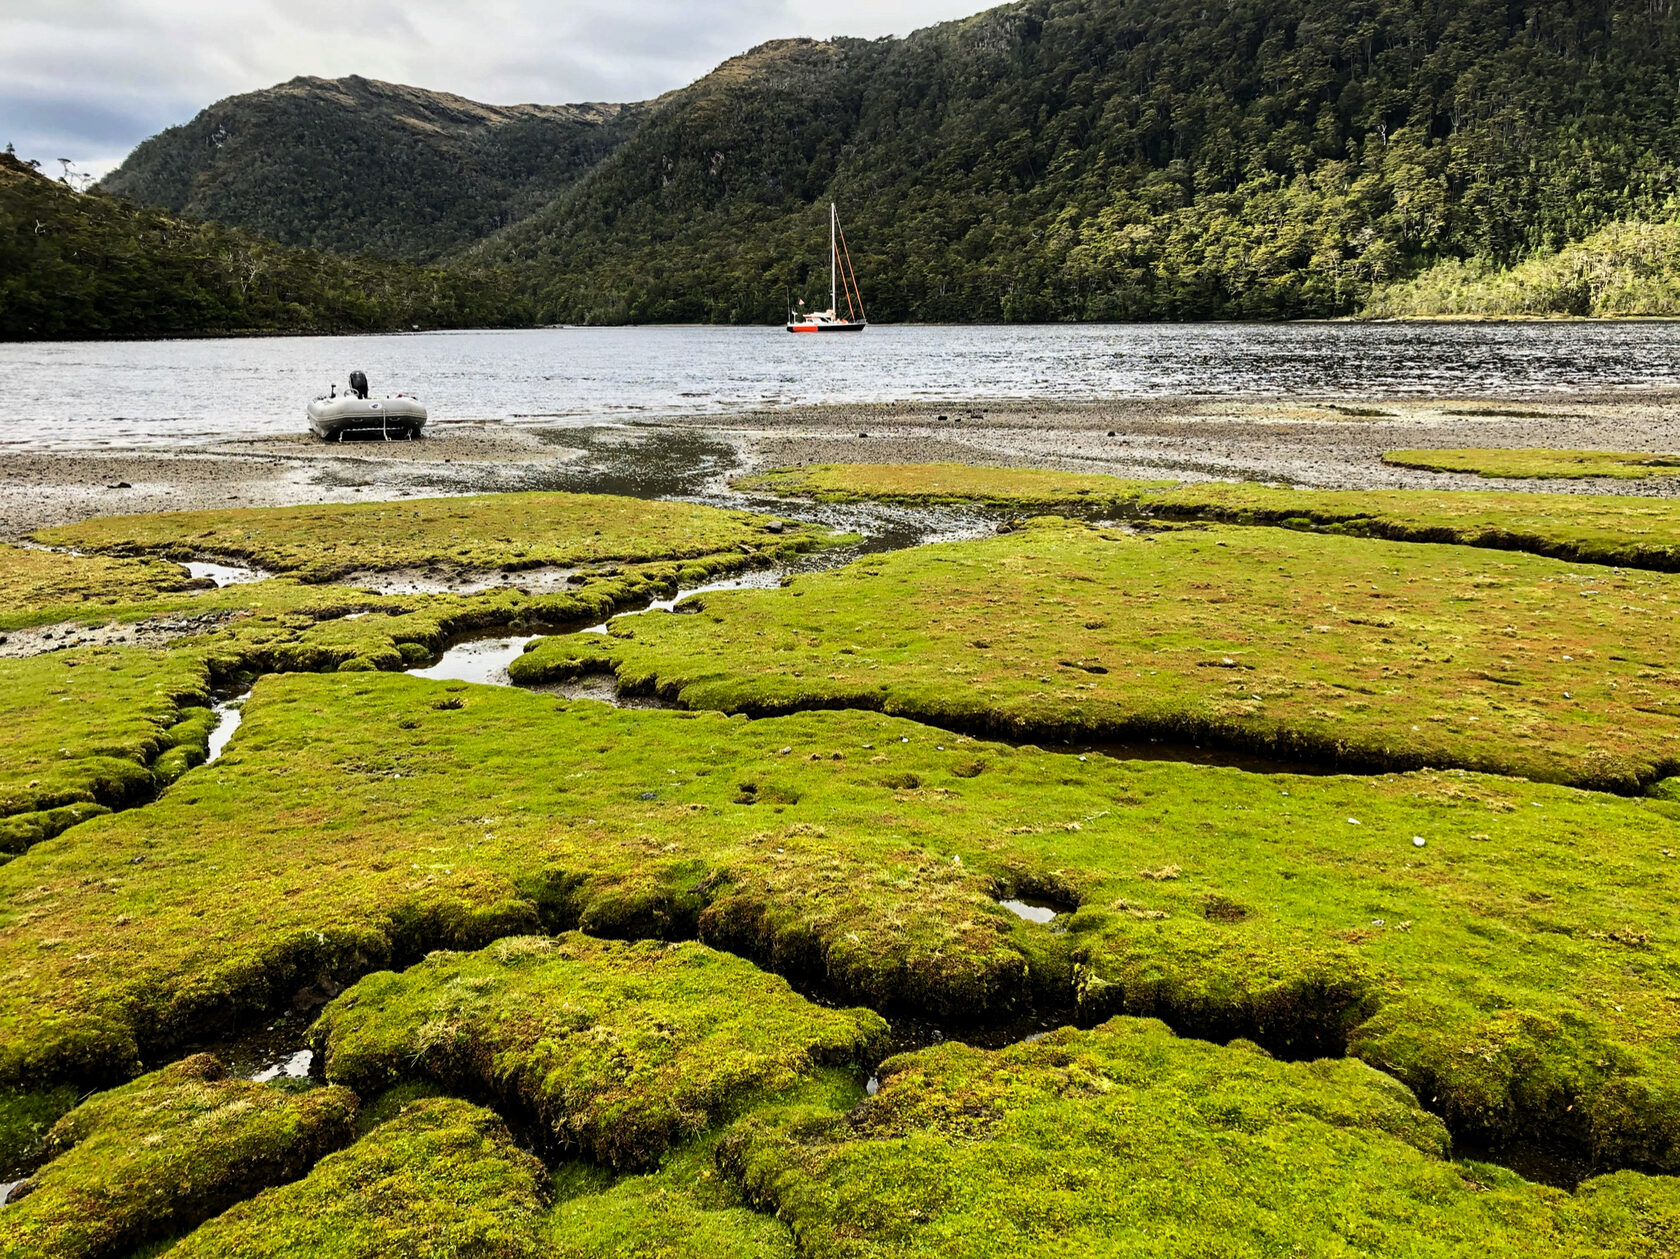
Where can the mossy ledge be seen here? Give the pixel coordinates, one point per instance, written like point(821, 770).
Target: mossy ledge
point(1125, 1140)
point(1516, 970)
point(442, 1177)
point(616, 1050)
point(1317, 650)
point(98, 728)
point(507, 532)
point(1539, 464)
point(1603, 529)
point(164, 1153)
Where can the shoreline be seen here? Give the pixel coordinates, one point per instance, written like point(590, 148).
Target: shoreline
point(1321, 443)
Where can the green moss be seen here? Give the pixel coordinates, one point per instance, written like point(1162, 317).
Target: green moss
point(25, 1119)
point(86, 727)
point(31, 580)
point(1335, 650)
point(620, 1050)
point(165, 1153)
point(443, 1178)
point(1539, 464)
point(494, 531)
point(683, 1210)
point(1128, 1141)
point(1594, 529)
point(1515, 971)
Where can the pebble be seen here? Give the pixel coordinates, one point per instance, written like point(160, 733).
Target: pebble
point(1418, 841)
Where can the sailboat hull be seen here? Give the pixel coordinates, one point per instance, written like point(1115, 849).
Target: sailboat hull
point(827, 327)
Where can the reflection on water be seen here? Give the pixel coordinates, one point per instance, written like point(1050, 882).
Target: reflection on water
point(225, 574)
point(158, 392)
point(230, 713)
point(481, 659)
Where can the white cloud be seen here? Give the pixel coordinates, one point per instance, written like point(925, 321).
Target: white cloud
point(89, 79)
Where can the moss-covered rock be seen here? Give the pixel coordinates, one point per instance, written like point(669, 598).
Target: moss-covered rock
point(1339, 651)
point(164, 1153)
point(619, 1050)
point(492, 531)
point(1516, 970)
point(1128, 1141)
point(441, 1180)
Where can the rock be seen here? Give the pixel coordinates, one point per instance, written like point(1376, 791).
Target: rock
point(775, 526)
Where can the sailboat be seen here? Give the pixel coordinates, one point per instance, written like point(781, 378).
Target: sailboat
point(841, 279)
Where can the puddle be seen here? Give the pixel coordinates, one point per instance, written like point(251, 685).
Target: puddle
point(275, 1051)
point(295, 1067)
point(483, 659)
point(1032, 910)
point(231, 712)
point(225, 574)
point(601, 687)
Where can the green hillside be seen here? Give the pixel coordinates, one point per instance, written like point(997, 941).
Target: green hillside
point(85, 265)
point(1110, 159)
point(358, 166)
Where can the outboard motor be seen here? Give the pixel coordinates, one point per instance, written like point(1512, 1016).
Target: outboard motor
point(358, 384)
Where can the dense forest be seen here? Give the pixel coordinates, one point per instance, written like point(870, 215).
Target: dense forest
point(83, 265)
point(1125, 159)
point(1047, 160)
point(358, 166)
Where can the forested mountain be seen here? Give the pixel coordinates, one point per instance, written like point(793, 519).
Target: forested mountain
point(1173, 159)
point(1047, 160)
point(81, 265)
point(358, 166)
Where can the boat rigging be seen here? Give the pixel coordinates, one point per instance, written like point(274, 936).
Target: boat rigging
point(842, 281)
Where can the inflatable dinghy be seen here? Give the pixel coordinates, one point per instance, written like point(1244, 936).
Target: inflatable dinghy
point(335, 416)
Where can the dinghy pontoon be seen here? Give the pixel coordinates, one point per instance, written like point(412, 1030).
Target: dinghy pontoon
point(336, 416)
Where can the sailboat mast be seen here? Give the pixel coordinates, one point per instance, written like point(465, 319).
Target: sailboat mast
point(833, 257)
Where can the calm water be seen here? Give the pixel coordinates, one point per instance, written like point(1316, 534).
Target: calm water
point(82, 394)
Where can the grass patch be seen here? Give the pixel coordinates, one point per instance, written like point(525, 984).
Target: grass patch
point(31, 579)
point(25, 1120)
point(441, 1178)
point(617, 1050)
point(1127, 1141)
point(511, 532)
point(1596, 529)
point(164, 1153)
point(1539, 464)
point(1341, 651)
point(90, 729)
point(1516, 971)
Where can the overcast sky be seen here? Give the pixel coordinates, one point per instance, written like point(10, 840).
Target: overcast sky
point(90, 79)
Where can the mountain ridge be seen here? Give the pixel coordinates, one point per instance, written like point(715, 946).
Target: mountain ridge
point(358, 165)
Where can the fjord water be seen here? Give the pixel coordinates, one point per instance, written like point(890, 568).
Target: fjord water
point(64, 395)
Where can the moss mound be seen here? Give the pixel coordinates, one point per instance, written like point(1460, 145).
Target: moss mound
point(1128, 1141)
point(89, 728)
point(164, 1153)
point(1342, 651)
point(491, 531)
point(1589, 529)
point(618, 1050)
point(443, 1178)
point(1515, 970)
point(1539, 464)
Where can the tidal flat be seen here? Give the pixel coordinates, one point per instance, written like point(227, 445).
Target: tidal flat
point(875, 940)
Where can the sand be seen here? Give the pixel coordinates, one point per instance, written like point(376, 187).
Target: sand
point(1306, 442)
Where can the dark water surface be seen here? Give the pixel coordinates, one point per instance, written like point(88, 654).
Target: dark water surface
point(124, 393)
